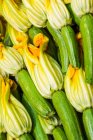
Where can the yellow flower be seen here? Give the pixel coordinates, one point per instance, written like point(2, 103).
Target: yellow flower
point(82, 7)
point(79, 93)
point(15, 117)
point(43, 69)
point(57, 13)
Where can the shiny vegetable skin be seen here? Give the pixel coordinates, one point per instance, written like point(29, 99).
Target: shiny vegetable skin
point(42, 106)
point(86, 28)
point(37, 129)
point(56, 34)
point(88, 123)
point(59, 134)
point(67, 115)
point(71, 44)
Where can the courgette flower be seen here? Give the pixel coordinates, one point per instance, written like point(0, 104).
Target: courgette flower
point(35, 10)
point(15, 14)
point(57, 13)
point(79, 93)
point(10, 60)
point(82, 7)
point(49, 124)
point(15, 117)
point(43, 69)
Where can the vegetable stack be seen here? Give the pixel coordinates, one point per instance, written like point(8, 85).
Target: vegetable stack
point(46, 69)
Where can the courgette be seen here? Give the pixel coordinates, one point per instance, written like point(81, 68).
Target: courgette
point(71, 44)
point(59, 134)
point(42, 106)
point(67, 115)
point(86, 27)
point(37, 129)
point(88, 122)
point(61, 45)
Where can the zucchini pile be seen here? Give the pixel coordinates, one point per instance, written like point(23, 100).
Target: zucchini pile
point(46, 70)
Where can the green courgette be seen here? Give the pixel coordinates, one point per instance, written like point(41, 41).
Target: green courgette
point(86, 27)
point(61, 45)
point(71, 44)
point(42, 106)
point(37, 129)
point(59, 134)
point(67, 115)
point(88, 122)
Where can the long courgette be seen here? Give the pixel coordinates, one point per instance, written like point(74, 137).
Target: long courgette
point(71, 44)
point(67, 115)
point(41, 106)
point(61, 45)
point(86, 27)
point(88, 122)
point(37, 129)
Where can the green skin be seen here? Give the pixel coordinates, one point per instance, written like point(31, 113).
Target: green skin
point(68, 116)
point(41, 105)
point(37, 129)
point(59, 134)
point(64, 60)
point(71, 44)
point(86, 28)
point(88, 122)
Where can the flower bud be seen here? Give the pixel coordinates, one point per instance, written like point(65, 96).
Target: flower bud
point(57, 13)
point(79, 93)
point(15, 117)
point(82, 7)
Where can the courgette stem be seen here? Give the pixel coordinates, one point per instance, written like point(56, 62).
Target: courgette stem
point(59, 134)
point(67, 115)
point(37, 129)
point(71, 44)
point(62, 46)
point(86, 28)
point(88, 122)
point(41, 105)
